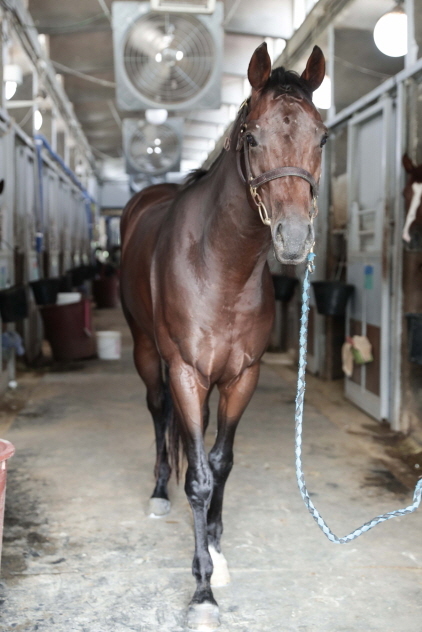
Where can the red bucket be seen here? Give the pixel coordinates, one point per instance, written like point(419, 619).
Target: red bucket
point(6, 451)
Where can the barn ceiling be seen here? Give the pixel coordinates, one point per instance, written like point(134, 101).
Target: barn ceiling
point(81, 47)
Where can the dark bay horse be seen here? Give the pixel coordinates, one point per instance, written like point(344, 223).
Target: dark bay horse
point(198, 296)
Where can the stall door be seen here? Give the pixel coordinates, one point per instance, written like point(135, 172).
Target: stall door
point(369, 168)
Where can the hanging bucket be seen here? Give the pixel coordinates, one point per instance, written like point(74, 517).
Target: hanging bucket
point(45, 290)
point(109, 345)
point(105, 291)
point(13, 304)
point(68, 329)
point(284, 287)
point(78, 275)
point(6, 451)
point(66, 283)
point(414, 333)
point(331, 297)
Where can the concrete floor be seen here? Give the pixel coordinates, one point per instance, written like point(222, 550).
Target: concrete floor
point(81, 555)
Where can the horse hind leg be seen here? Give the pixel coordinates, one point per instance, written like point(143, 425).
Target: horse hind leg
point(148, 364)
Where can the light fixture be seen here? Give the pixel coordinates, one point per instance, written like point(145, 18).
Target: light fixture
point(322, 96)
point(157, 141)
point(37, 120)
point(390, 32)
point(157, 150)
point(156, 117)
point(12, 77)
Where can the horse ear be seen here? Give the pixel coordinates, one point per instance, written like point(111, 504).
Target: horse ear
point(314, 72)
point(408, 164)
point(259, 67)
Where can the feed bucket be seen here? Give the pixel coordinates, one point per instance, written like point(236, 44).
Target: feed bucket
point(414, 336)
point(105, 291)
point(284, 287)
point(13, 304)
point(109, 344)
point(331, 297)
point(68, 329)
point(45, 290)
point(6, 451)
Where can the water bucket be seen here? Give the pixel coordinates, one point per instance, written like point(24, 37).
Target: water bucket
point(68, 329)
point(13, 304)
point(331, 297)
point(6, 451)
point(66, 298)
point(109, 344)
point(45, 290)
point(414, 333)
point(284, 287)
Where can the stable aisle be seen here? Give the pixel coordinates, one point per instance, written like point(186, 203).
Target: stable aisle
point(80, 553)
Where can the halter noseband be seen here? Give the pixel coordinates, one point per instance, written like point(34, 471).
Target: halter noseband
point(280, 172)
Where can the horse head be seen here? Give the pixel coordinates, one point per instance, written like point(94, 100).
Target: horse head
point(283, 136)
point(412, 195)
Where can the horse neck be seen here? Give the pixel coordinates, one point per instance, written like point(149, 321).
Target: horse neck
point(234, 236)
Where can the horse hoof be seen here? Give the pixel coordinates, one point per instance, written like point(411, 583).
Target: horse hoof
point(203, 617)
point(220, 575)
point(158, 507)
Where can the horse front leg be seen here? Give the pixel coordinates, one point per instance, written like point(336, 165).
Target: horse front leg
point(234, 397)
point(189, 393)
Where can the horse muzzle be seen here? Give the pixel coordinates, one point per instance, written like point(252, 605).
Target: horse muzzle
point(292, 240)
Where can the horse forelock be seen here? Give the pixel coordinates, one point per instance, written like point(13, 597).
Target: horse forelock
point(284, 81)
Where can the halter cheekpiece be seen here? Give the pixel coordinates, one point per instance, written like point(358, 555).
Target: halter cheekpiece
point(281, 172)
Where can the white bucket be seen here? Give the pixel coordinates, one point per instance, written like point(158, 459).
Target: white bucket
point(109, 345)
point(66, 298)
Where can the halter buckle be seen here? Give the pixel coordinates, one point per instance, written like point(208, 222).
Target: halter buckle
point(263, 213)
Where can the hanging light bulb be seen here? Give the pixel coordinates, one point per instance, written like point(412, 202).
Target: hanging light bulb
point(37, 120)
point(10, 88)
point(12, 77)
point(322, 96)
point(390, 32)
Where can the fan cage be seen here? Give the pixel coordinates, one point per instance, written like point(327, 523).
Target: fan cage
point(169, 58)
point(152, 149)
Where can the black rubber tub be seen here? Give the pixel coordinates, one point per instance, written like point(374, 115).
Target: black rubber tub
point(45, 290)
point(414, 331)
point(284, 287)
point(331, 297)
point(13, 304)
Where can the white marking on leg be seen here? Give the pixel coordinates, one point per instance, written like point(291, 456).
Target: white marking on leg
point(158, 507)
point(220, 575)
point(413, 209)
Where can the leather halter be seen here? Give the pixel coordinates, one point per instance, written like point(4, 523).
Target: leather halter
point(267, 176)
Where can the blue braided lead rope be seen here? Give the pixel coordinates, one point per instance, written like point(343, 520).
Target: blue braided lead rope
point(299, 419)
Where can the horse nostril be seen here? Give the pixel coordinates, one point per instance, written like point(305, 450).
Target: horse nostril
point(279, 234)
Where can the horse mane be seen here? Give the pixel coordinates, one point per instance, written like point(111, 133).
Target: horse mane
point(281, 81)
point(192, 177)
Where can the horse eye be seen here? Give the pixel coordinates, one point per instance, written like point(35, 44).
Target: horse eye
point(250, 140)
point(323, 140)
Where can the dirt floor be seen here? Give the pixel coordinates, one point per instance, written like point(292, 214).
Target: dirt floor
point(80, 554)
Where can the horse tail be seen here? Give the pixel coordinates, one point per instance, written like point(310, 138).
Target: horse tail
point(172, 426)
